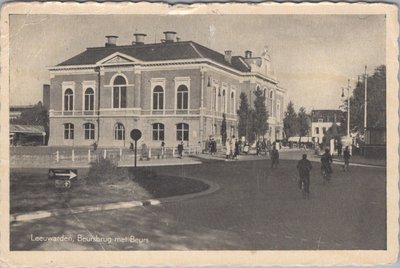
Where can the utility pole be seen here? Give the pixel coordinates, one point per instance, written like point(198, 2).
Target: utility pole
point(365, 99)
point(348, 108)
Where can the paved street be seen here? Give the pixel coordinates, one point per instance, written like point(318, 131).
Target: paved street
point(255, 208)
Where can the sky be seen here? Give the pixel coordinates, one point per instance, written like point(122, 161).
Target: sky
point(313, 55)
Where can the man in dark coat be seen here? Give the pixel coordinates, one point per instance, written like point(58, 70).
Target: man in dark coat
point(304, 167)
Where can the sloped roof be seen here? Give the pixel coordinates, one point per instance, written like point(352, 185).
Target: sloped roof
point(325, 114)
point(157, 52)
point(26, 129)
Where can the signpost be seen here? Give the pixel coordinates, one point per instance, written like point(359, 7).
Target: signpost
point(62, 177)
point(136, 134)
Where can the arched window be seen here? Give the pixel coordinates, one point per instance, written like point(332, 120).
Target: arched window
point(271, 94)
point(69, 131)
point(233, 103)
point(119, 132)
point(89, 99)
point(68, 100)
point(182, 98)
point(182, 132)
point(158, 132)
point(89, 131)
point(265, 92)
point(158, 98)
point(119, 92)
point(223, 101)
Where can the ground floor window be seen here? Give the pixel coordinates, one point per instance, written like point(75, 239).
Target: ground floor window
point(119, 132)
point(182, 132)
point(158, 132)
point(69, 131)
point(89, 131)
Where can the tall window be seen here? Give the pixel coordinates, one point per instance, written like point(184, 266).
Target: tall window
point(182, 97)
point(213, 99)
point(119, 92)
point(278, 111)
point(119, 132)
point(223, 101)
point(68, 100)
point(89, 99)
point(233, 102)
point(317, 130)
point(182, 132)
point(89, 131)
point(158, 132)
point(158, 98)
point(68, 131)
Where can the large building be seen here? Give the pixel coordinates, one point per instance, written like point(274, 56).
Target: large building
point(172, 91)
point(322, 120)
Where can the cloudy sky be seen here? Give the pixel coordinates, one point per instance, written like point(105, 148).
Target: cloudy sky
point(313, 55)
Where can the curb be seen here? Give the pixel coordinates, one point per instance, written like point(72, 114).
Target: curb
point(41, 214)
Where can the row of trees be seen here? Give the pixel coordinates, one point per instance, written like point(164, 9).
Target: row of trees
point(376, 102)
point(296, 124)
point(253, 122)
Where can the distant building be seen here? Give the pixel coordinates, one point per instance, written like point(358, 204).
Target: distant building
point(16, 110)
point(172, 91)
point(322, 120)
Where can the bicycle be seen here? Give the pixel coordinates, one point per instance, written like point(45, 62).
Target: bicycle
point(304, 192)
point(325, 175)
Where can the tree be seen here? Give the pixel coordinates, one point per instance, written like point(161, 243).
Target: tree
point(260, 125)
point(303, 122)
point(223, 129)
point(376, 105)
point(243, 114)
point(290, 124)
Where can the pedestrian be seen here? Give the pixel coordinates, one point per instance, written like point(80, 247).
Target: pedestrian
point(94, 146)
point(304, 167)
point(274, 157)
point(162, 149)
point(237, 149)
point(346, 157)
point(228, 149)
point(207, 147)
point(131, 146)
point(180, 149)
point(339, 149)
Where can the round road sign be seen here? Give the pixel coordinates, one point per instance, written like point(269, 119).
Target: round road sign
point(136, 134)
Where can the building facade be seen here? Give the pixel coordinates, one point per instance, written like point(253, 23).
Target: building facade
point(172, 91)
point(322, 120)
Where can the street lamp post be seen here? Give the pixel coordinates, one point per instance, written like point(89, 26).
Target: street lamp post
point(348, 107)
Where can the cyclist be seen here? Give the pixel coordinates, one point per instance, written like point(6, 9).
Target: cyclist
point(304, 167)
point(326, 161)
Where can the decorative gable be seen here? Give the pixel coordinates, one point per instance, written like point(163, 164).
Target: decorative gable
point(117, 58)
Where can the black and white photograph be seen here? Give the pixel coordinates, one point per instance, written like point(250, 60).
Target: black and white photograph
point(247, 130)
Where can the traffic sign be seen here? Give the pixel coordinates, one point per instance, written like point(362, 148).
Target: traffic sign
point(136, 134)
point(66, 174)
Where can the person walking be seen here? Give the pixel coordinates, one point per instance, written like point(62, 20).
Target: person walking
point(339, 149)
point(94, 146)
point(162, 149)
point(237, 149)
point(228, 149)
point(180, 149)
point(274, 157)
point(346, 157)
point(304, 167)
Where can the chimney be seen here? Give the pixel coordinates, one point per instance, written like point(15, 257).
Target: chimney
point(169, 36)
point(248, 54)
point(228, 55)
point(111, 40)
point(139, 38)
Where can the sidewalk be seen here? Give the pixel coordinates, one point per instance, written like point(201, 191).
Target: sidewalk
point(126, 162)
